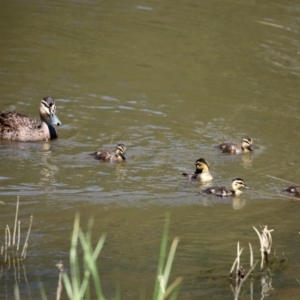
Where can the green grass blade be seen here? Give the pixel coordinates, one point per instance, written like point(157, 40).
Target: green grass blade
point(90, 258)
point(74, 267)
point(42, 291)
point(118, 293)
point(86, 276)
point(68, 286)
point(174, 294)
point(162, 255)
point(85, 287)
point(172, 288)
point(88, 234)
point(170, 261)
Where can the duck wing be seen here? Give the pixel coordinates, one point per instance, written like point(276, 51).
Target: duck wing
point(220, 191)
point(103, 155)
point(228, 147)
point(13, 123)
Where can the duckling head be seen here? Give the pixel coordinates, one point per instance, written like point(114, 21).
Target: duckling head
point(238, 183)
point(121, 151)
point(247, 144)
point(201, 165)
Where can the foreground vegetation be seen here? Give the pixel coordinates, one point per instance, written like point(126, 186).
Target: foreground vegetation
point(84, 275)
point(82, 281)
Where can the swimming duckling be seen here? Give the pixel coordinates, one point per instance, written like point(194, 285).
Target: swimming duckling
point(233, 148)
point(19, 127)
point(222, 191)
point(294, 189)
point(201, 172)
point(113, 156)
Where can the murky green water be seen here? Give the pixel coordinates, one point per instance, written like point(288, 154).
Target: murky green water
point(170, 80)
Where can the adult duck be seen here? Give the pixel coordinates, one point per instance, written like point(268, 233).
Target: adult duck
point(19, 127)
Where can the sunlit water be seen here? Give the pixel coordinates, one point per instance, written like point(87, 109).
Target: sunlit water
point(170, 80)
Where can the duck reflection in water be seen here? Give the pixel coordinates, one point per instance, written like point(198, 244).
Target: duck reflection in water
point(48, 169)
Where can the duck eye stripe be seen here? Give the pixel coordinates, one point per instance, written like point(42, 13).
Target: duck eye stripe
point(45, 103)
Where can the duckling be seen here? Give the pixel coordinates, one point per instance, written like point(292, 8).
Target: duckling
point(202, 171)
point(222, 191)
point(294, 189)
point(233, 148)
point(113, 156)
point(19, 127)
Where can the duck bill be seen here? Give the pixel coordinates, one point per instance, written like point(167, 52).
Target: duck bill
point(54, 119)
point(124, 156)
point(251, 148)
point(246, 187)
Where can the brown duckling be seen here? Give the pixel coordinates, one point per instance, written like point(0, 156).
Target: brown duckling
point(234, 148)
point(223, 191)
point(112, 156)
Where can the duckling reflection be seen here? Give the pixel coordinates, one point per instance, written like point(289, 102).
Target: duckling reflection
point(238, 202)
point(201, 173)
point(234, 148)
point(111, 156)
point(120, 171)
point(222, 191)
point(266, 284)
point(247, 160)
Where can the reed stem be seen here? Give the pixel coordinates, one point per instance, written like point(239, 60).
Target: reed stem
point(23, 255)
point(16, 220)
